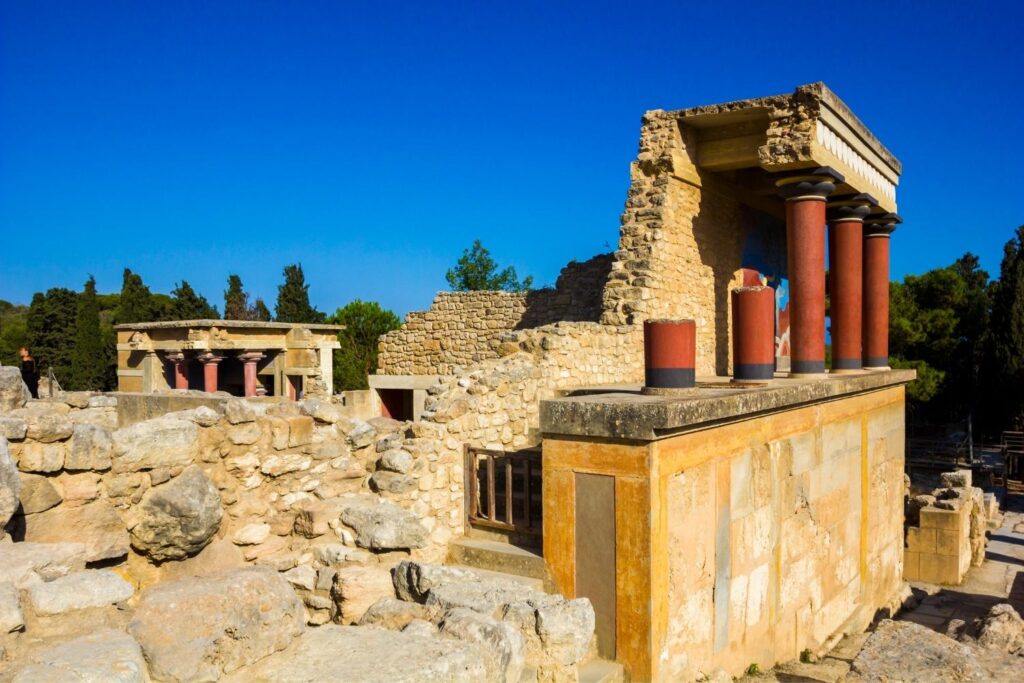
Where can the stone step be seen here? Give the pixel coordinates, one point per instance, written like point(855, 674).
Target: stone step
point(499, 557)
point(601, 671)
point(535, 584)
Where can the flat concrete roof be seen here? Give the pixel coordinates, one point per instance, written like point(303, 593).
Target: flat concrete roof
point(171, 324)
point(632, 416)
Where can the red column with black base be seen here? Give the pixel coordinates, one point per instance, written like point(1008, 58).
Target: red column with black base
point(846, 241)
point(210, 363)
point(876, 291)
point(753, 333)
point(805, 251)
point(670, 354)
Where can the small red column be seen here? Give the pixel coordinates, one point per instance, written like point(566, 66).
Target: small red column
point(670, 354)
point(180, 369)
point(250, 360)
point(805, 250)
point(210, 362)
point(753, 333)
point(876, 291)
point(846, 240)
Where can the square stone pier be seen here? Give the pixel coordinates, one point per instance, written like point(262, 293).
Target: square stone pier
point(731, 526)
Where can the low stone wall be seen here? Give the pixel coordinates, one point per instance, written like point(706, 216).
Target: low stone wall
point(463, 328)
point(945, 532)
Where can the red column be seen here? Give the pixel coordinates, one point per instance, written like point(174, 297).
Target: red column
point(249, 369)
point(180, 370)
point(210, 362)
point(876, 291)
point(753, 333)
point(805, 250)
point(846, 241)
point(670, 354)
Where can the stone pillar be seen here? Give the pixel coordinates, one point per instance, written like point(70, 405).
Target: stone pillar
point(177, 359)
point(670, 353)
point(753, 333)
point(805, 250)
point(210, 362)
point(876, 290)
point(250, 360)
point(846, 241)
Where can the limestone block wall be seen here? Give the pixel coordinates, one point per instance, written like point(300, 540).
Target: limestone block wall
point(793, 530)
point(735, 544)
point(683, 238)
point(462, 328)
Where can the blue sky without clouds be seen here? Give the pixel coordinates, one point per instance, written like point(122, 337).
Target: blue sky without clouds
point(372, 142)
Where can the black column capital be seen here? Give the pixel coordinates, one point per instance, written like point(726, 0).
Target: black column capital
point(815, 183)
point(850, 208)
point(881, 226)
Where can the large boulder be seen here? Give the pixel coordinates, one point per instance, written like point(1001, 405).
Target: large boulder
point(396, 614)
point(202, 628)
point(91, 448)
point(11, 618)
point(161, 442)
point(384, 526)
point(46, 423)
point(13, 392)
point(178, 519)
point(504, 643)
point(38, 494)
point(106, 656)
point(1002, 629)
point(26, 564)
point(413, 580)
point(80, 590)
point(356, 588)
point(903, 651)
point(366, 654)
point(10, 484)
point(96, 524)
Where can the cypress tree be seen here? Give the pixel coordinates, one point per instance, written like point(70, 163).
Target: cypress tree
point(136, 300)
point(293, 298)
point(51, 329)
point(189, 305)
point(260, 311)
point(88, 360)
point(236, 301)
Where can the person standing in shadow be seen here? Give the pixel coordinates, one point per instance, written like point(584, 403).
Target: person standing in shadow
point(29, 371)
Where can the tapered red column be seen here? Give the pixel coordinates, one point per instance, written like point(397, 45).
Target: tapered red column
point(177, 360)
point(249, 369)
point(846, 243)
point(805, 251)
point(876, 291)
point(210, 362)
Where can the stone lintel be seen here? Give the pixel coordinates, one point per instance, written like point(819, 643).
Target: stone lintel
point(631, 416)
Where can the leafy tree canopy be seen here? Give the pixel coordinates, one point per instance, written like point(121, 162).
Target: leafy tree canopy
point(236, 300)
point(365, 322)
point(476, 270)
point(136, 304)
point(88, 357)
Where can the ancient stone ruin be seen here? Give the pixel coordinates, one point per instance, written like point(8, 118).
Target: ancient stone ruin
point(532, 489)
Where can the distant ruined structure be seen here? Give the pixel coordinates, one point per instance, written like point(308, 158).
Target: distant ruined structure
point(657, 533)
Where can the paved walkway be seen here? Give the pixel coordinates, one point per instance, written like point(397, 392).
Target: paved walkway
point(999, 579)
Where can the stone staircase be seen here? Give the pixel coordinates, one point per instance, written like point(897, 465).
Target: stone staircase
point(492, 557)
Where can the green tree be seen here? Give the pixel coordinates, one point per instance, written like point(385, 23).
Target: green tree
point(13, 332)
point(365, 322)
point(937, 324)
point(189, 305)
point(136, 304)
point(476, 270)
point(259, 311)
point(52, 330)
point(236, 300)
point(1004, 374)
point(88, 359)
point(293, 298)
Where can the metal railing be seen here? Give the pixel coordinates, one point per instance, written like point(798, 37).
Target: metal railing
point(503, 489)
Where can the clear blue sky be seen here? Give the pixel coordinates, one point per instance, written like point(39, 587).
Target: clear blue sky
point(372, 142)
